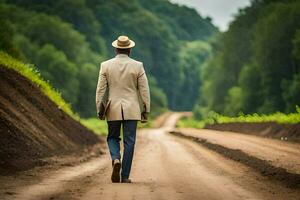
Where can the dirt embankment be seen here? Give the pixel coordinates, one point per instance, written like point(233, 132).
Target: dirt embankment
point(290, 132)
point(32, 127)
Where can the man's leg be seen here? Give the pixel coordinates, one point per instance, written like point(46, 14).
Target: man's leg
point(129, 135)
point(113, 139)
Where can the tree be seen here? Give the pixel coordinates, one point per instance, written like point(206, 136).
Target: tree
point(61, 73)
point(273, 51)
point(254, 66)
point(87, 79)
point(233, 101)
point(192, 55)
point(250, 84)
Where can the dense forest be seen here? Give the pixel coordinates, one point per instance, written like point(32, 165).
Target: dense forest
point(253, 67)
point(67, 39)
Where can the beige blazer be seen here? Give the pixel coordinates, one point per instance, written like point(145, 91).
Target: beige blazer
point(123, 82)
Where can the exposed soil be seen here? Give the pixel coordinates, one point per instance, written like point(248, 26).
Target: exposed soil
point(290, 132)
point(33, 128)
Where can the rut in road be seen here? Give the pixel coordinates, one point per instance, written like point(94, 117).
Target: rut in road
point(164, 167)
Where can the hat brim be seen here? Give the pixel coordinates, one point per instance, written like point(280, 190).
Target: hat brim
point(115, 44)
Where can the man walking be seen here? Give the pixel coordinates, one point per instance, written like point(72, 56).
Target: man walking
point(122, 97)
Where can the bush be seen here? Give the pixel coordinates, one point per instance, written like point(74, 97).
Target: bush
point(213, 118)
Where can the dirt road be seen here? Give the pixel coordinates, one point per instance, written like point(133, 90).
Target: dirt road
point(278, 153)
point(164, 167)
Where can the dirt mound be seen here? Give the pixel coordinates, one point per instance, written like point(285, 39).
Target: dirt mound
point(32, 127)
point(290, 132)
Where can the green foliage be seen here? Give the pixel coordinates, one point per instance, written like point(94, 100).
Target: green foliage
point(254, 66)
point(100, 127)
point(192, 55)
point(185, 22)
point(200, 112)
point(291, 92)
point(281, 118)
point(250, 82)
point(190, 123)
point(233, 101)
point(59, 52)
point(56, 68)
point(6, 40)
point(273, 35)
point(296, 46)
point(68, 39)
point(34, 76)
point(87, 78)
point(158, 98)
point(74, 12)
point(212, 89)
point(94, 124)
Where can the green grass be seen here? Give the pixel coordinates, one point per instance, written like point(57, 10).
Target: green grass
point(31, 73)
point(100, 127)
point(278, 117)
point(97, 126)
point(190, 122)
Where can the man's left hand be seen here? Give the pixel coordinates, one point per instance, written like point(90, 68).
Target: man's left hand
point(144, 117)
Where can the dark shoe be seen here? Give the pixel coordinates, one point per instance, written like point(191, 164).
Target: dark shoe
point(115, 176)
point(126, 180)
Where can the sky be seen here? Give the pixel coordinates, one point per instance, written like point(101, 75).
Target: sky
point(221, 11)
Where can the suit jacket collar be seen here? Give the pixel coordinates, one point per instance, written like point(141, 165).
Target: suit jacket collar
point(122, 56)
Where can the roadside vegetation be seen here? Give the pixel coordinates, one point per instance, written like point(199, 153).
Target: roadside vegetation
point(100, 127)
point(278, 117)
point(97, 126)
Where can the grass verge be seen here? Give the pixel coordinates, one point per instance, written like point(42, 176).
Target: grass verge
point(100, 127)
point(214, 118)
point(97, 126)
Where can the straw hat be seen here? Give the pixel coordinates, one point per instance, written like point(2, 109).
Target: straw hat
point(123, 42)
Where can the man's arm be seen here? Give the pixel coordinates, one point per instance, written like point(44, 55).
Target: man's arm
point(143, 88)
point(101, 87)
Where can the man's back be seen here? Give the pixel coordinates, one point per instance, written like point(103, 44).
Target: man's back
point(126, 81)
point(122, 73)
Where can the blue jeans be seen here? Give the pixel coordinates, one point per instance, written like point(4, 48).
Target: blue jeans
point(113, 140)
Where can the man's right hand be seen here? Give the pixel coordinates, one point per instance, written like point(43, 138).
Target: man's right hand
point(100, 116)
